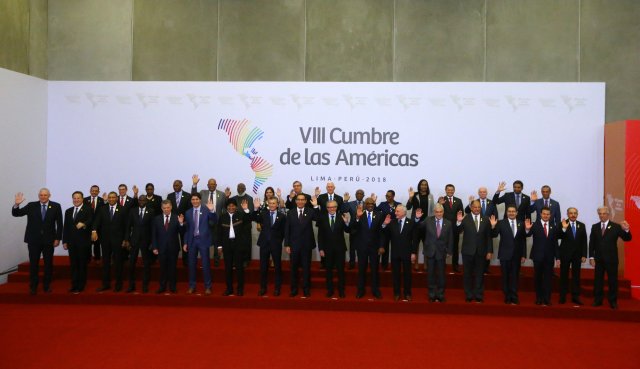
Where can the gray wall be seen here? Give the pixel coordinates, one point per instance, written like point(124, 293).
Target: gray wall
point(330, 40)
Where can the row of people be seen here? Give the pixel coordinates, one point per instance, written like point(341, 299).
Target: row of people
point(299, 240)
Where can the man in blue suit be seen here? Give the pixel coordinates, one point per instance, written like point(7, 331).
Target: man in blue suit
point(511, 251)
point(197, 240)
point(546, 201)
point(544, 252)
point(165, 243)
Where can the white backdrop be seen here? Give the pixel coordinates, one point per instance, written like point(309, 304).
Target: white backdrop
point(468, 134)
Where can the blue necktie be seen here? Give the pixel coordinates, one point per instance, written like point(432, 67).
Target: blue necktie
point(484, 208)
point(369, 218)
point(573, 229)
point(196, 222)
point(400, 225)
point(272, 217)
point(111, 213)
point(332, 221)
point(44, 211)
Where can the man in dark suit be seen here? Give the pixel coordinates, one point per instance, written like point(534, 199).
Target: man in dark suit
point(272, 223)
point(477, 246)
point(154, 201)
point(137, 236)
point(291, 203)
point(544, 251)
point(603, 255)
point(517, 198)
point(452, 206)
point(219, 200)
point(330, 195)
point(109, 226)
point(232, 233)
point(197, 240)
point(388, 207)
point(127, 202)
point(546, 201)
point(332, 245)
point(165, 243)
point(351, 208)
point(299, 242)
point(93, 202)
point(368, 229)
point(512, 251)
point(180, 203)
point(77, 240)
point(247, 240)
point(438, 242)
point(573, 252)
point(43, 234)
point(487, 209)
point(402, 234)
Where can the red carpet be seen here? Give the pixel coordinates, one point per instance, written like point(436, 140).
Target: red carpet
point(79, 336)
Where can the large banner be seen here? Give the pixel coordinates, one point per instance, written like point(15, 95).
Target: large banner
point(373, 136)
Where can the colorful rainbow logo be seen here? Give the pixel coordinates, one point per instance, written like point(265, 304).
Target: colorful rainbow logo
point(242, 138)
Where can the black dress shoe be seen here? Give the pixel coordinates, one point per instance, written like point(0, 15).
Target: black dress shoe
point(130, 289)
point(240, 293)
point(441, 299)
point(468, 299)
point(173, 290)
point(145, 289)
point(396, 298)
point(73, 290)
point(276, 292)
point(577, 302)
point(227, 293)
point(359, 295)
point(538, 302)
point(377, 295)
point(597, 303)
point(329, 295)
point(341, 294)
point(614, 305)
point(306, 293)
point(293, 294)
point(507, 301)
point(103, 288)
point(479, 301)
point(432, 299)
point(515, 302)
point(47, 290)
point(33, 291)
point(262, 292)
point(407, 297)
point(117, 289)
point(546, 303)
point(160, 290)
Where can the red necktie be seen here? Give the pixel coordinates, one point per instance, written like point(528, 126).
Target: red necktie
point(546, 233)
point(122, 201)
point(166, 223)
point(450, 203)
point(93, 203)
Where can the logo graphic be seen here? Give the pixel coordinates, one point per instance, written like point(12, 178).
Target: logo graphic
point(242, 137)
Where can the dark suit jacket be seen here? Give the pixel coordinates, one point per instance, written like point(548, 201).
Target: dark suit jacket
point(41, 231)
point(155, 204)
point(270, 235)
point(99, 203)
point(511, 247)
point(221, 199)
point(473, 241)
point(490, 209)
point(165, 240)
point(298, 233)
point(129, 203)
point(605, 248)
point(426, 205)
point(185, 202)
point(291, 204)
point(239, 228)
point(365, 237)
point(434, 246)
point(451, 213)
point(403, 243)
point(110, 231)
point(544, 248)
point(205, 221)
point(324, 198)
point(351, 207)
point(74, 236)
point(331, 240)
point(386, 208)
point(573, 247)
point(554, 206)
point(509, 198)
point(138, 231)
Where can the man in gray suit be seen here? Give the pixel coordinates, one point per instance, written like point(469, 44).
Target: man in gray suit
point(219, 200)
point(438, 242)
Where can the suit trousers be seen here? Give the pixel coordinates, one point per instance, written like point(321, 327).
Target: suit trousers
point(234, 254)
point(401, 269)
point(168, 274)
point(199, 246)
point(352, 251)
point(575, 264)
point(112, 252)
point(384, 258)
point(275, 252)
point(542, 275)
point(611, 268)
point(96, 250)
point(455, 250)
point(368, 255)
point(301, 257)
point(146, 254)
point(510, 270)
point(436, 277)
point(473, 275)
point(35, 250)
point(334, 259)
point(78, 259)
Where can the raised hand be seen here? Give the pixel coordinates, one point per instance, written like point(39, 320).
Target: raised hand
point(346, 217)
point(374, 197)
point(625, 225)
point(317, 191)
point(104, 196)
point(256, 203)
point(181, 218)
point(411, 193)
point(471, 198)
point(418, 213)
point(244, 204)
point(528, 224)
point(441, 200)
point(292, 195)
point(195, 179)
point(346, 196)
point(501, 186)
point(19, 198)
point(359, 211)
point(211, 207)
point(565, 224)
point(314, 200)
point(459, 216)
point(279, 193)
point(387, 219)
point(227, 192)
point(493, 221)
point(534, 195)
point(135, 191)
